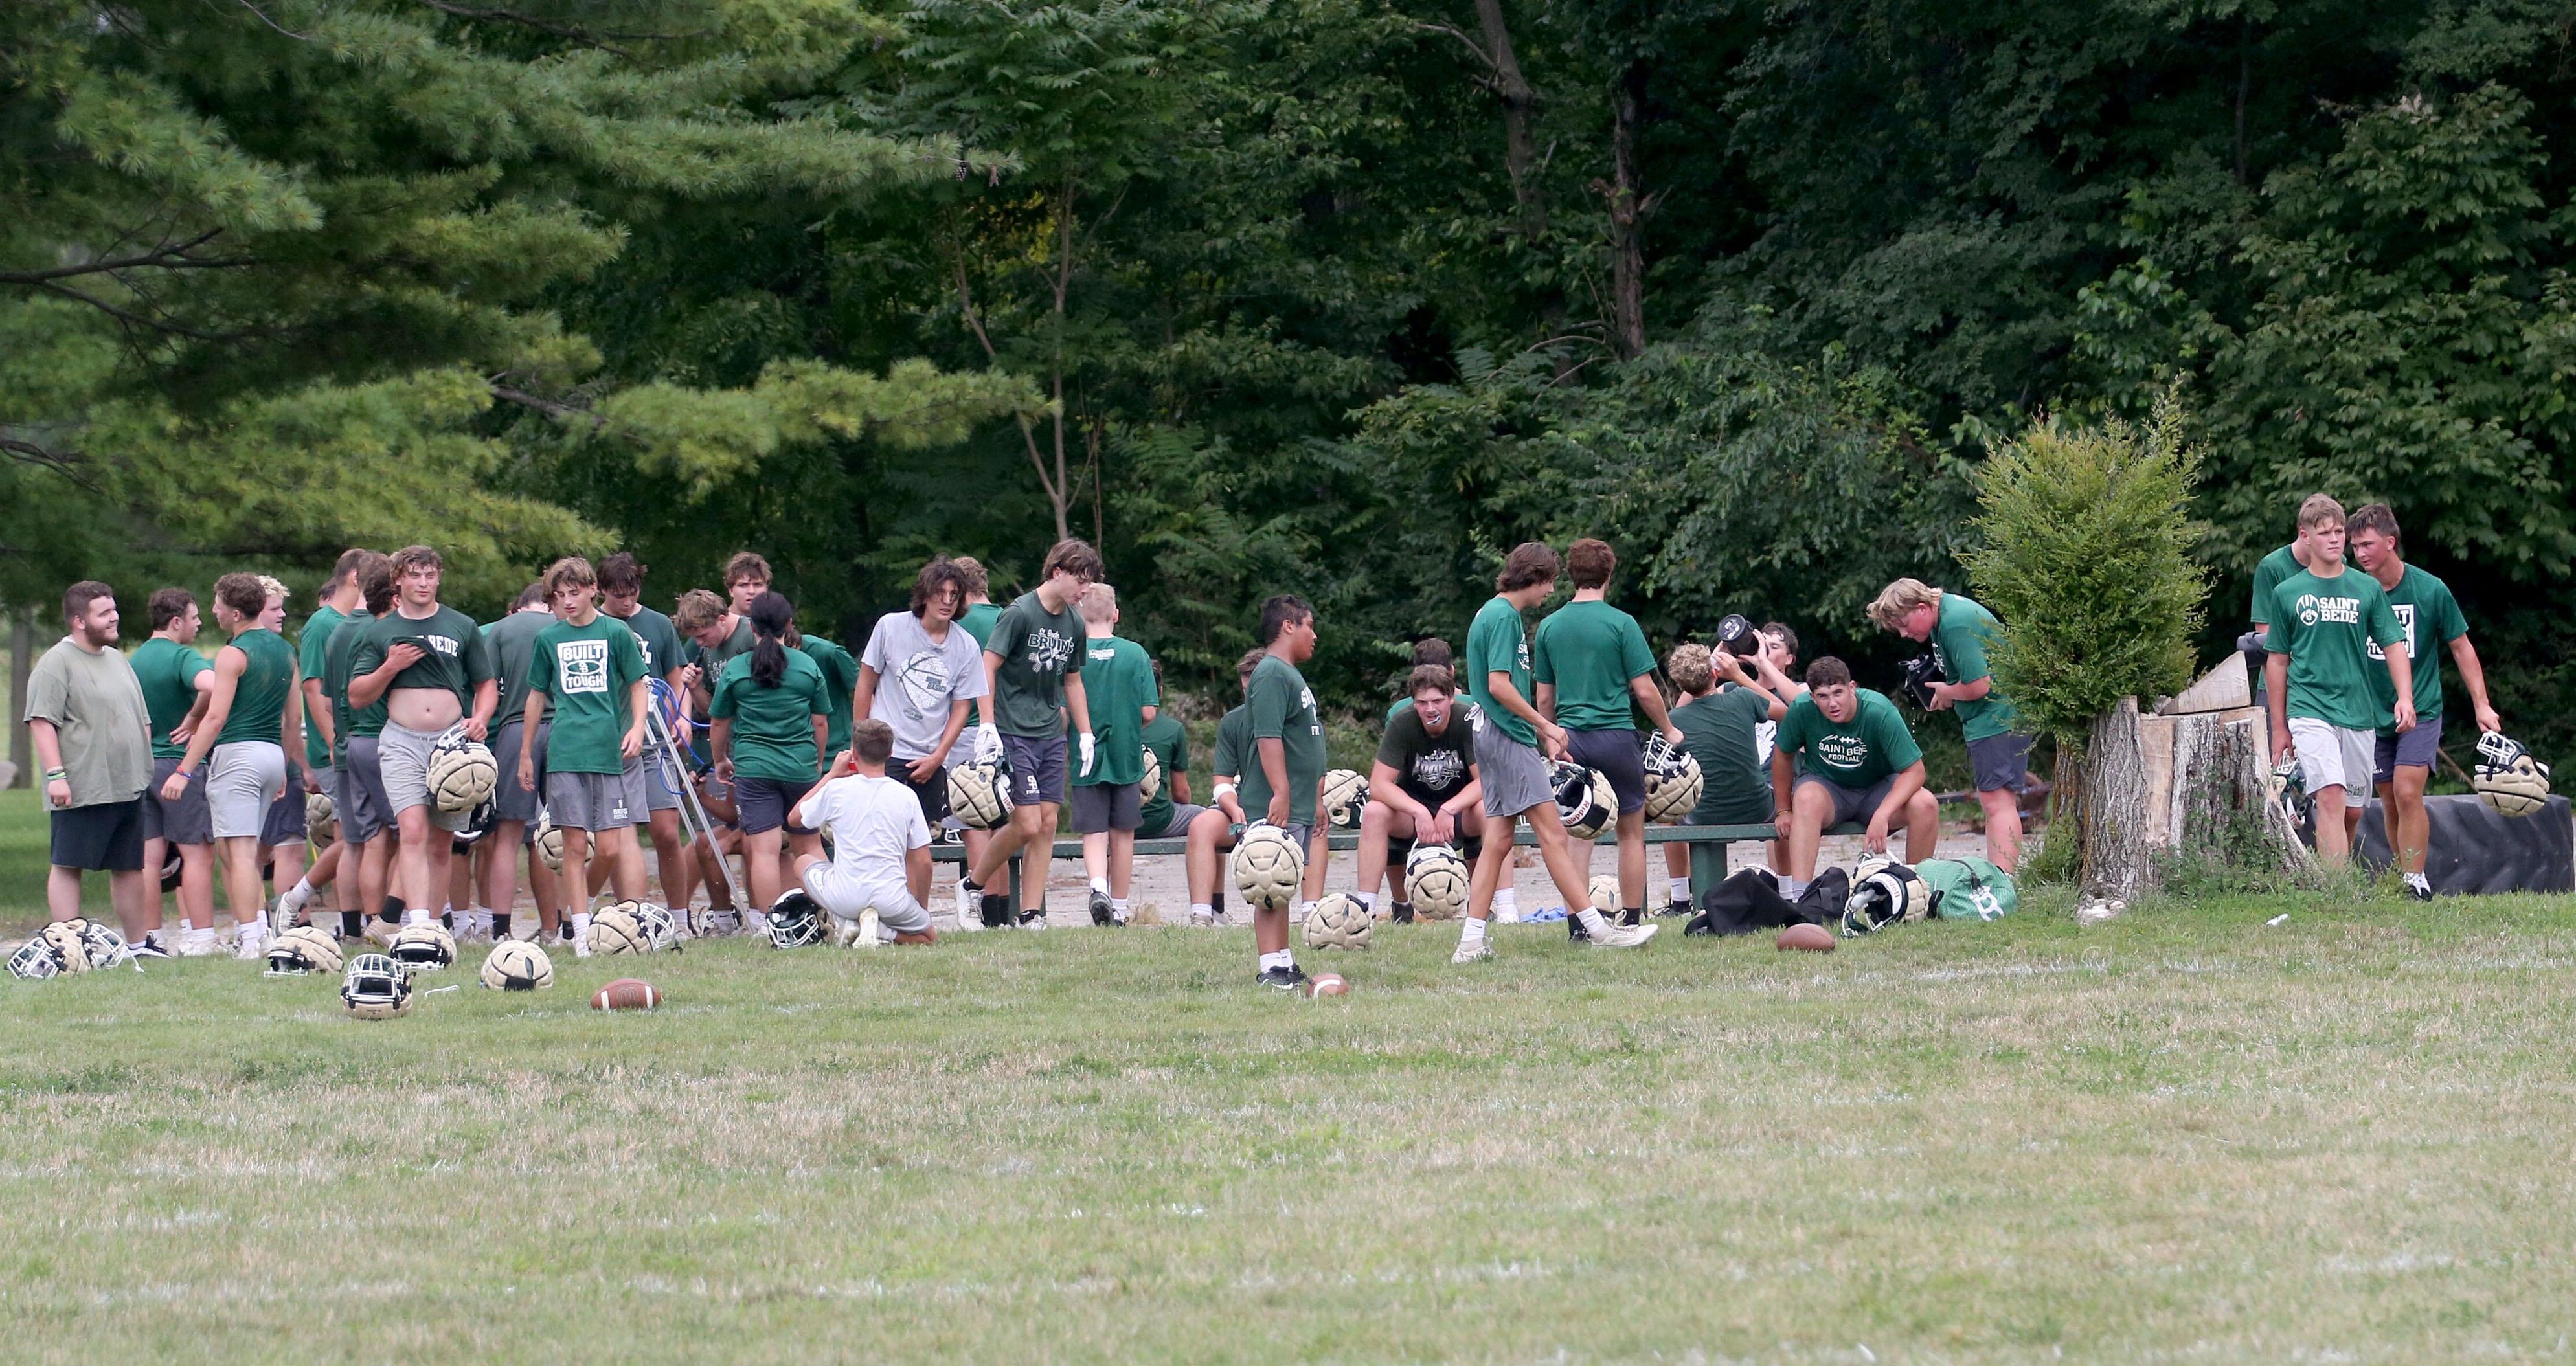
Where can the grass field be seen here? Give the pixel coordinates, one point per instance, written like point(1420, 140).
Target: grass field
point(2185, 1134)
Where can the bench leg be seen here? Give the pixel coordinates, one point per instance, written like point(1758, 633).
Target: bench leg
point(1708, 868)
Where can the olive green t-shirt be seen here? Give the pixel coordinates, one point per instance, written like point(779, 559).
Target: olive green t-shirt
point(2431, 617)
point(1170, 742)
point(586, 674)
point(1283, 709)
point(99, 718)
point(978, 621)
point(1038, 648)
point(711, 663)
point(1117, 686)
point(454, 656)
point(1961, 631)
point(513, 643)
point(259, 698)
point(345, 719)
point(1589, 651)
point(310, 649)
point(168, 672)
point(1233, 743)
point(656, 637)
point(2268, 573)
point(2326, 626)
point(1719, 730)
point(840, 680)
point(773, 728)
point(1857, 753)
point(1498, 643)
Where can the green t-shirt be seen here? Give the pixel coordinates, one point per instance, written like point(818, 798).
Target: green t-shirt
point(657, 638)
point(840, 681)
point(585, 673)
point(712, 663)
point(1397, 708)
point(2326, 627)
point(259, 698)
point(454, 656)
point(2431, 617)
point(978, 621)
point(1117, 686)
point(1283, 709)
point(1233, 742)
point(346, 720)
point(1720, 731)
point(1960, 633)
point(512, 642)
point(1170, 742)
point(2268, 573)
point(1038, 648)
point(1870, 746)
point(1589, 651)
point(773, 728)
point(309, 655)
point(1497, 643)
point(168, 672)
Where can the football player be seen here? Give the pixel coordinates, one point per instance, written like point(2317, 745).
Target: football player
point(1728, 694)
point(1285, 768)
point(621, 592)
point(1960, 631)
point(587, 683)
point(1213, 829)
point(1845, 755)
point(426, 662)
point(254, 705)
point(1033, 663)
point(880, 842)
point(1108, 804)
point(920, 673)
point(770, 719)
point(1422, 788)
point(2325, 704)
point(1594, 671)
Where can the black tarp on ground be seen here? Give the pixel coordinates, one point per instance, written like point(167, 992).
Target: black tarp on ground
point(2473, 849)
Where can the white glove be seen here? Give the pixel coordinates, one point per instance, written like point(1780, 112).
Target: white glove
point(988, 744)
point(1086, 754)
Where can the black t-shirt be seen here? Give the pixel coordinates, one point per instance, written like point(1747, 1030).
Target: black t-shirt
point(1430, 768)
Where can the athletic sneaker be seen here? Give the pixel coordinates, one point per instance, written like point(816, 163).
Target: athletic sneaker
point(1624, 936)
point(1100, 908)
point(1033, 920)
point(251, 948)
point(1574, 929)
point(1403, 912)
point(1202, 919)
point(151, 947)
point(199, 944)
point(968, 912)
point(381, 931)
point(1680, 908)
point(997, 913)
point(1290, 978)
point(1467, 953)
point(2421, 891)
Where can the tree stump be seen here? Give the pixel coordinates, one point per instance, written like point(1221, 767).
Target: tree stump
point(2118, 826)
point(2194, 785)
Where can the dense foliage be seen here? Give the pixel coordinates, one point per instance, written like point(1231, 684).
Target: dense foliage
point(1333, 296)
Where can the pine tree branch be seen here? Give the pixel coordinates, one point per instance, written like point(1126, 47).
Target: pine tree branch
point(547, 406)
point(128, 315)
point(68, 464)
point(169, 256)
point(584, 37)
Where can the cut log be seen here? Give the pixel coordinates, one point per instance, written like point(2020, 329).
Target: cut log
point(2117, 864)
point(2224, 688)
point(2190, 785)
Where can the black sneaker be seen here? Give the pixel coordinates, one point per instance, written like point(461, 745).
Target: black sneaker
point(2421, 891)
point(1680, 908)
point(1100, 909)
point(997, 910)
point(1574, 930)
point(1403, 911)
point(1290, 978)
point(150, 947)
point(1033, 919)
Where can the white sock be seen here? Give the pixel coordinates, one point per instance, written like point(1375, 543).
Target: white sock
point(1118, 904)
point(1507, 898)
point(250, 935)
point(1305, 909)
point(1792, 888)
point(293, 898)
point(1367, 900)
point(2417, 881)
point(1202, 908)
point(581, 925)
point(1280, 958)
point(1100, 885)
point(416, 916)
point(1592, 921)
point(1472, 931)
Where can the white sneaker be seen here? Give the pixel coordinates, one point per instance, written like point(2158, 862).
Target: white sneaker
point(199, 944)
point(1622, 936)
point(251, 946)
point(581, 946)
point(866, 937)
point(756, 924)
point(1203, 919)
point(970, 909)
point(1467, 953)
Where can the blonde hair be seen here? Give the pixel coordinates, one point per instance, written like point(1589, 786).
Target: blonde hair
point(697, 610)
point(2320, 509)
point(1901, 597)
point(1099, 603)
point(1687, 666)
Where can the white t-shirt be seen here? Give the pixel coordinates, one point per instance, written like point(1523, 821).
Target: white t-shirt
point(918, 679)
point(874, 822)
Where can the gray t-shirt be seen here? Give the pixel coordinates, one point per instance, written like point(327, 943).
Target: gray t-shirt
point(918, 680)
point(96, 707)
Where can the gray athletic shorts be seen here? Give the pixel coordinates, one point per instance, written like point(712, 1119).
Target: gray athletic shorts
point(2332, 756)
point(2002, 762)
point(661, 779)
point(1177, 826)
point(1850, 803)
point(511, 802)
point(1106, 806)
point(845, 896)
point(360, 803)
point(596, 801)
point(185, 821)
point(1037, 768)
point(241, 780)
point(2416, 747)
point(402, 765)
point(1514, 776)
point(1620, 757)
point(284, 823)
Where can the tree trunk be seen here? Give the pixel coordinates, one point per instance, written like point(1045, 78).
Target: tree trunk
point(2116, 818)
point(1520, 148)
point(2156, 787)
point(1629, 206)
point(22, 661)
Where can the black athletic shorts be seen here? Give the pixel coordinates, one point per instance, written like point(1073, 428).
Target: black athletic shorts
point(765, 804)
point(932, 793)
point(105, 838)
point(1619, 755)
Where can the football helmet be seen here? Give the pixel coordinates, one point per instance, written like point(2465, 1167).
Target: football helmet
point(794, 920)
point(36, 960)
point(980, 794)
point(477, 824)
point(424, 947)
point(1921, 672)
point(1341, 799)
point(376, 987)
point(2508, 779)
point(301, 950)
point(462, 773)
point(1584, 800)
point(1884, 892)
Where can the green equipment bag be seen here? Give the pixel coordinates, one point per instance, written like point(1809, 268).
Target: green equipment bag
point(1968, 888)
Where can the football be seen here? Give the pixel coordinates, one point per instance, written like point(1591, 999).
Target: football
point(626, 993)
point(1328, 984)
point(1811, 938)
point(1605, 894)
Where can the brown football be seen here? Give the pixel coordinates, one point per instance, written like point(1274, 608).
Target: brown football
point(1812, 938)
point(626, 993)
point(1328, 984)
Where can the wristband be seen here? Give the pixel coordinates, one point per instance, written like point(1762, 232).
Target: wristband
point(1221, 790)
point(58, 775)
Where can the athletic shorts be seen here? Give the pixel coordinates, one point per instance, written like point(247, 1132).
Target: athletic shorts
point(1851, 804)
point(104, 838)
point(242, 778)
point(1514, 776)
point(1037, 768)
point(1106, 806)
point(511, 802)
point(360, 803)
point(933, 794)
point(402, 768)
point(595, 801)
point(2331, 756)
point(765, 803)
point(662, 777)
point(284, 823)
point(1177, 825)
point(2415, 748)
point(845, 897)
point(1620, 757)
point(1398, 850)
point(2002, 762)
point(185, 821)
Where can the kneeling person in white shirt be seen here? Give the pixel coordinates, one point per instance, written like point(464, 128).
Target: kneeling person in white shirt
point(880, 844)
